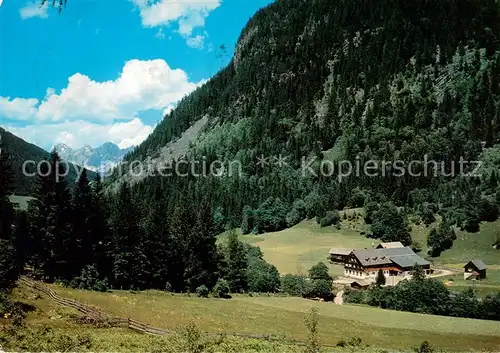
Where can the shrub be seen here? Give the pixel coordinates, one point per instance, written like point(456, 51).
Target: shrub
point(353, 296)
point(221, 289)
point(319, 271)
point(192, 337)
point(331, 218)
point(357, 199)
point(427, 214)
point(318, 288)
point(293, 284)
point(370, 209)
point(488, 210)
point(293, 217)
point(262, 276)
point(425, 347)
point(202, 291)
point(89, 280)
point(312, 319)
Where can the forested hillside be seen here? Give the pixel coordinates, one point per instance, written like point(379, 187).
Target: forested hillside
point(21, 151)
point(311, 82)
point(345, 80)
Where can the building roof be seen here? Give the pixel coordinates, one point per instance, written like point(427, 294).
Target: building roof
point(406, 261)
point(361, 283)
point(372, 257)
point(340, 251)
point(479, 264)
point(403, 257)
point(390, 245)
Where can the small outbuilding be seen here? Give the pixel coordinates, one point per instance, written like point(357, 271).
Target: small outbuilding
point(475, 269)
point(339, 255)
point(390, 245)
point(360, 284)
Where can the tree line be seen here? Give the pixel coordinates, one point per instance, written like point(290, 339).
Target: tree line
point(88, 239)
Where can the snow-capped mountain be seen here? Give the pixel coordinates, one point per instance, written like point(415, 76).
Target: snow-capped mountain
point(100, 159)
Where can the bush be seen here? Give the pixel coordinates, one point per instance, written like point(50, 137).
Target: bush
point(488, 210)
point(202, 291)
point(293, 217)
point(427, 214)
point(262, 276)
point(312, 319)
point(89, 280)
point(319, 288)
point(440, 239)
point(370, 209)
point(331, 218)
point(319, 271)
point(354, 296)
point(357, 199)
point(425, 347)
point(293, 284)
point(221, 289)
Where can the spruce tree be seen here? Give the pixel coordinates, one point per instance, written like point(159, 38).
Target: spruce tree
point(101, 233)
point(130, 264)
point(236, 263)
point(180, 233)
point(9, 269)
point(380, 280)
point(202, 257)
point(50, 226)
point(158, 244)
point(82, 242)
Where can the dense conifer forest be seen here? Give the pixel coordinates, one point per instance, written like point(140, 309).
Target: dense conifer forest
point(358, 81)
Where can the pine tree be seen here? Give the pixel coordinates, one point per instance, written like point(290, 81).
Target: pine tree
point(50, 226)
point(130, 265)
point(179, 233)
point(380, 280)
point(101, 233)
point(9, 269)
point(236, 264)
point(202, 260)
point(158, 244)
point(82, 242)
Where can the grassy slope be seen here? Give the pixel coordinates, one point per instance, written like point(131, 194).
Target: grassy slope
point(295, 249)
point(65, 330)
point(469, 246)
point(285, 317)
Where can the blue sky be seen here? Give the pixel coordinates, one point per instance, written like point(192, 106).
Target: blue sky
point(107, 70)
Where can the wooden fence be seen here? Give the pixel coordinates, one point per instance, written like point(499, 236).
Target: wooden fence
point(99, 316)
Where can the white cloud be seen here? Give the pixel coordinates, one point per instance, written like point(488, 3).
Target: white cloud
point(91, 112)
point(188, 15)
point(79, 133)
point(18, 108)
point(197, 41)
point(1, 2)
point(34, 9)
point(142, 85)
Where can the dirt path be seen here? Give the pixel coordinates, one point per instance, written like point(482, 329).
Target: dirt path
point(339, 300)
point(441, 273)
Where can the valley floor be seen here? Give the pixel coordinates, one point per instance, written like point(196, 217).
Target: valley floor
point(279, 316)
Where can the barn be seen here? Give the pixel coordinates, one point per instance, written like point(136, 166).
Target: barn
point(339, 255)
point(475, 269)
